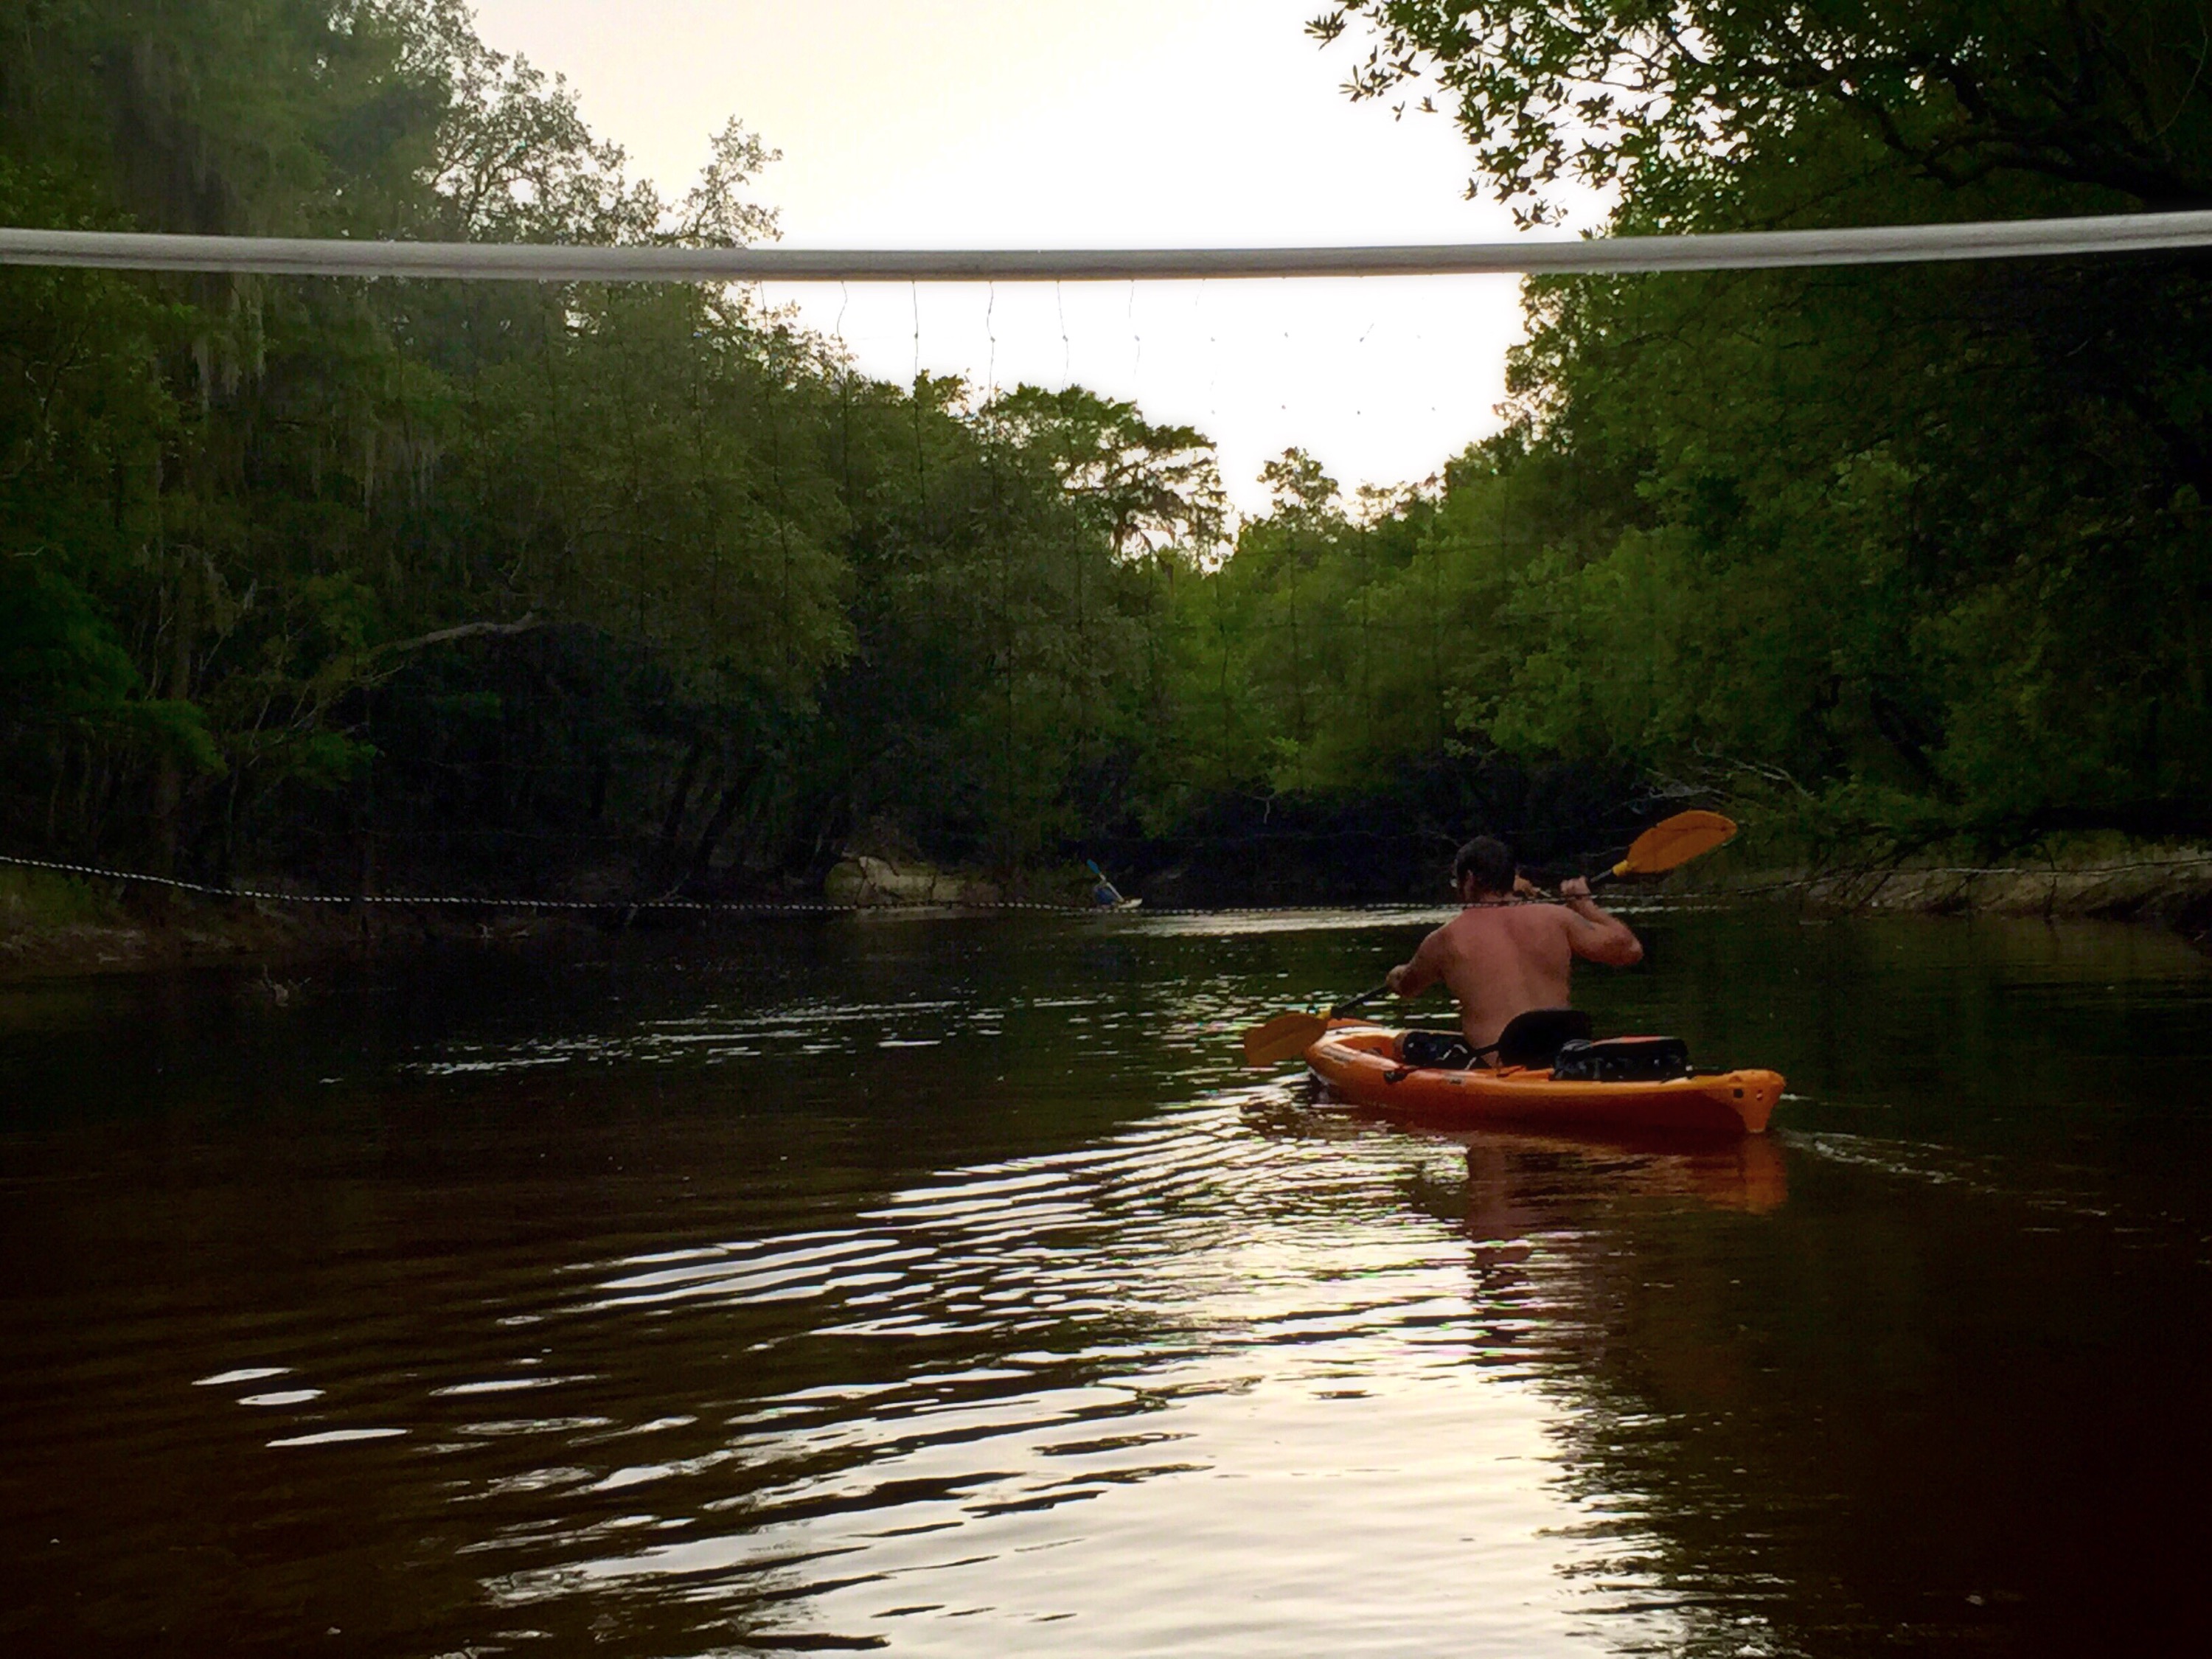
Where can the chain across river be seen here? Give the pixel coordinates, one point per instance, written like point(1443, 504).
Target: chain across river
point(827, 906)
point(726, 907)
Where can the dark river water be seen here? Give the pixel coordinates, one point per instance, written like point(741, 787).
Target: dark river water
point(944, 1288)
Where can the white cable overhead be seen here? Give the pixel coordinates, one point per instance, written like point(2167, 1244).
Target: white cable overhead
point(2128, 232)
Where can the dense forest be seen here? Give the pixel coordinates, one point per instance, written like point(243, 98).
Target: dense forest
point(619, 592)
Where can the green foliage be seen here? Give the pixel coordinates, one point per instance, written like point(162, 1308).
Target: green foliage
point(633, 590)
point(1906, 553)
point(513, 582)
point(2106, 94)
point(37, 900)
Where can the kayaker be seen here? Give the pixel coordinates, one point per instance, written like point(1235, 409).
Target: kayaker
point(1508, 952)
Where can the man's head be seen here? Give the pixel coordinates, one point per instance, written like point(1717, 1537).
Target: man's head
point(1484, 869)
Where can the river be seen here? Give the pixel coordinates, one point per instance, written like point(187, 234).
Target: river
point(945, 1287)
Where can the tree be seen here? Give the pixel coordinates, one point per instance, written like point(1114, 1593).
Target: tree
point(2107, 95)
point(1918, 543)
point(1149, 489)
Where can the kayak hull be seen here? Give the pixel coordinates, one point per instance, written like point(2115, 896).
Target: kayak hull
point(1358, 1062)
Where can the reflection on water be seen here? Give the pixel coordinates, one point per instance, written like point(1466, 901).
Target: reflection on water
point(1521, 1184)
point(944, 1289)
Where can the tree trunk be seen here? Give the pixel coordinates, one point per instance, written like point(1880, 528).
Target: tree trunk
point(725, 813)
point(671, 825)
point(168, 775)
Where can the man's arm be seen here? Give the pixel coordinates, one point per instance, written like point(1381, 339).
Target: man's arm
point(1410, 979)
point(1594, 934)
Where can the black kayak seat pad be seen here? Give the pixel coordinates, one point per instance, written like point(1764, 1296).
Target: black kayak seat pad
point(1534, 1039)
point(1531, 1040)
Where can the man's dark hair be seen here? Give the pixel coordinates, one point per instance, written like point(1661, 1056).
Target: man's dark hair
point(1489, 861)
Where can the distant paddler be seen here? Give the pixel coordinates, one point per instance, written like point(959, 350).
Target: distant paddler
point(1105, 895)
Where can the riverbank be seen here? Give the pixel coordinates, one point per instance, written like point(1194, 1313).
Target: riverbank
point(54, 925)
point(2169, 888)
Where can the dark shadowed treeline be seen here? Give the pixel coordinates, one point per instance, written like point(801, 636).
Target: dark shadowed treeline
point(520, 586)
point(626, 591)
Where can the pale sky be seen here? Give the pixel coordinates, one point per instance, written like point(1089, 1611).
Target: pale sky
point(1082, 123)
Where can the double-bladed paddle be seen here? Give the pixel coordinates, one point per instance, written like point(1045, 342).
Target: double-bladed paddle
point(1287, 1036)
point(1665, 845)
point(1669, 844)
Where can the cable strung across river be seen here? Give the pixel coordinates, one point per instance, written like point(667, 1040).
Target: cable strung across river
point(301, 256)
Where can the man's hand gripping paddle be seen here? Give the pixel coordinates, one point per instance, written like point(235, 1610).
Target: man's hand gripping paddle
point(1665, 845)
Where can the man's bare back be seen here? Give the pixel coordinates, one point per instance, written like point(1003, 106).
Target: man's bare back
point(1503, 956)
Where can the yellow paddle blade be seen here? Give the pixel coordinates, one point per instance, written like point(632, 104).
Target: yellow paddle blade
point(1283, 1037)
point(1674, 841)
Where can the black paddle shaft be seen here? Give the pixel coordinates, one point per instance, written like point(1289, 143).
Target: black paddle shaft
point(1361, 1000)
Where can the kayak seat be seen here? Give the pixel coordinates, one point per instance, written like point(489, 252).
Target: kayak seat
point(1622, 1060)
point(1435, 1051)
point(1534, 1039)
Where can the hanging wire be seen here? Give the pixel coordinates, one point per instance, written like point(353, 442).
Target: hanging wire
point(920, 469)
point(991, 339)
point(710, 500)
point(1212, 364)
point(1006, 653)
point(785, 629)
point(1060, 304)
point(845, 373)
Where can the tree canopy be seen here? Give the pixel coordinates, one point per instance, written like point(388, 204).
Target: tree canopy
point(2106, 95)
point(1914, 551)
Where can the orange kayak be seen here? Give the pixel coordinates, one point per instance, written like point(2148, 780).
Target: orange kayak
point(1360, 1063)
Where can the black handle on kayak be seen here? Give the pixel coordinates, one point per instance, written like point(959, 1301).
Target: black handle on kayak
point(1361, 1000)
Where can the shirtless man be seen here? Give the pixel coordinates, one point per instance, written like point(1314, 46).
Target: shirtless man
point(1503, 956)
